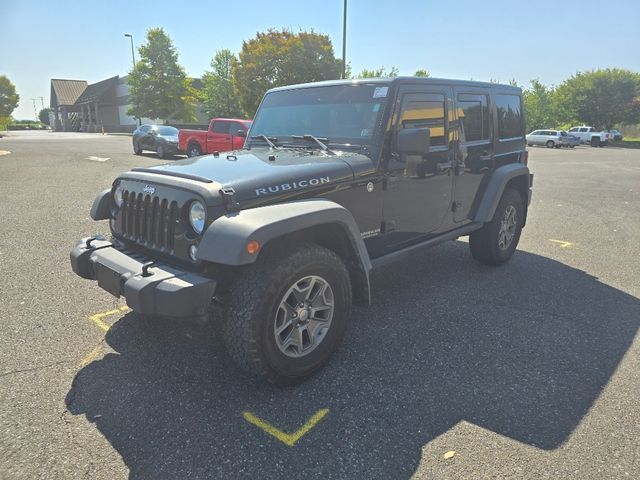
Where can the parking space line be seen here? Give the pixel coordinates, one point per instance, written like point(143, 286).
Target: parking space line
point(288, 439)
point(94, 354)
point(97, 318)
point(563, 243)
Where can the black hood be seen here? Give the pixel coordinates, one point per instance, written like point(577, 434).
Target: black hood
point(256, 179)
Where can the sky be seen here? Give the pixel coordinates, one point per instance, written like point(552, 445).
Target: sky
point(466, 39)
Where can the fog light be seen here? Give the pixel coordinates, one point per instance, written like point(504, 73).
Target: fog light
point(193, 253)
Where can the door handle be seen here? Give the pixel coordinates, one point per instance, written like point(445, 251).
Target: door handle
point(228, 138)
point(485, 157)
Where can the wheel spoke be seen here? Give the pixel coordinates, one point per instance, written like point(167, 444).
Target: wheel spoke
point(286, 324)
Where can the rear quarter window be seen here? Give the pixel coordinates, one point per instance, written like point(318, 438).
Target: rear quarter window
point(509, 111)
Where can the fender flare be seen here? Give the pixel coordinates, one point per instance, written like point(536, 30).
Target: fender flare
point(224, 241)
point(100, 209)
point(495, 187)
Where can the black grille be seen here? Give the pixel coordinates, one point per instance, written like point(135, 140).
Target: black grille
point(149, 220)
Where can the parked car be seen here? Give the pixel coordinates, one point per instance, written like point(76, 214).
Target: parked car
point(615, 135)
point(224, 134)
point(572, 140)
point(590, 135)
point(548, 138)
point(161, 139)
point(341, 177)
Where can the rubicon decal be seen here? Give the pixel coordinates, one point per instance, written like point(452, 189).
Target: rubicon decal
point(283, 187)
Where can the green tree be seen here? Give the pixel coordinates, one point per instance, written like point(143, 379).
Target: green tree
point(539, 107)
point(158, 84)
point(602, 98)
point(422, 73)
point(9, 100)
point(44, 115)
point(378, 73)
point(218, 96)
point(280, 57)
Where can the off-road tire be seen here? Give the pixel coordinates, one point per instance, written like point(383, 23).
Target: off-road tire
point(253, 299)
point(484, 243)
point(136, 149)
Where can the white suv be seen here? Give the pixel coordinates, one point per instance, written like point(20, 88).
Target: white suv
point(548, 138)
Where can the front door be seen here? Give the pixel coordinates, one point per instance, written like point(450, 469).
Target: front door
point(418, 190)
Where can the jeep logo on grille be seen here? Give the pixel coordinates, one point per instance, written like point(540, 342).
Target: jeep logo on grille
point(148, 189)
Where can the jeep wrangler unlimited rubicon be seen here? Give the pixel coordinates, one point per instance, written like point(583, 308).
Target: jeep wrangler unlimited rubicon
point(335, 178)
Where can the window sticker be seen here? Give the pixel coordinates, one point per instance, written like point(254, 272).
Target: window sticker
point(366, 132)
point(380, 92)
point(376, 107)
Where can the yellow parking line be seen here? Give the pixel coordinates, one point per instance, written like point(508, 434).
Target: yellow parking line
point(289, 439)
point(95, 353)
point(97, 318)
point(562, 243)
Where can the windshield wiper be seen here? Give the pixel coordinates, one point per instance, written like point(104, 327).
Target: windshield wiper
point(319, 141)
point(268, 140)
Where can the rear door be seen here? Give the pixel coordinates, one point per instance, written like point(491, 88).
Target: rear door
point(475, 147)
point(218, 138)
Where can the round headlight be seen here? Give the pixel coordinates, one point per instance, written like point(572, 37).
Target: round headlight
point(117, 195)
point(197, 216)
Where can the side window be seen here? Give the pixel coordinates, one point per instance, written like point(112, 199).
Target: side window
point(220, 127)
point(574, 129)
point(584, 129)
point(474, 114)
point(144, 129)
point(233, 128)
point(509, 116)
point(424, 110)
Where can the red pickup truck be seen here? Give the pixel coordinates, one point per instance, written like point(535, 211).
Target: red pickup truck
point(224, 134)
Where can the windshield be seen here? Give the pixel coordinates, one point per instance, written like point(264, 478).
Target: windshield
point(167, 131)
point(342, 114)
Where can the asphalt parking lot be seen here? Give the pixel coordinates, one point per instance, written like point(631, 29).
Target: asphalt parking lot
point(529, 370)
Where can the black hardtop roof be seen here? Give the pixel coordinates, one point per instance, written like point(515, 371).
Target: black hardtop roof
point(400, 80)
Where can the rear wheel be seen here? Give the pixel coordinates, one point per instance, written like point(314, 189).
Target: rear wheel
point(550, 144)
point(496, 241)
point(194, 150)
point(287, 313)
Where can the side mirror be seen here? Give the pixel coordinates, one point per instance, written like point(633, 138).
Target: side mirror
point(414, 141)
point(241, 133)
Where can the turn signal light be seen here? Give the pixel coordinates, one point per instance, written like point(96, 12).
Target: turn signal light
point(253, 247)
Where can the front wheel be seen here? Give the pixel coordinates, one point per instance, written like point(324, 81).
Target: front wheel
point(496, 241)
point(137, 150)
point(160, 151)
point(287, 313)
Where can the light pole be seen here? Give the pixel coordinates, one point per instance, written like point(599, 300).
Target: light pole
point(344, 41)
point(133, 59)
point(133, 55)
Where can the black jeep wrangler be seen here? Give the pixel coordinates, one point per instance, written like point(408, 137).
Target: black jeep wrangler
point(335, 179)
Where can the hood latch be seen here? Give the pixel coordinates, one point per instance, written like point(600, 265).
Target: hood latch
point(229, 195)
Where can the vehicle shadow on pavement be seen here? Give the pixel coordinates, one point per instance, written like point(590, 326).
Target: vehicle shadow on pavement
point(523, 350)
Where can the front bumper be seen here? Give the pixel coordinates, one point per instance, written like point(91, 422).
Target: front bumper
point(172, 148)
point(162, 290)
